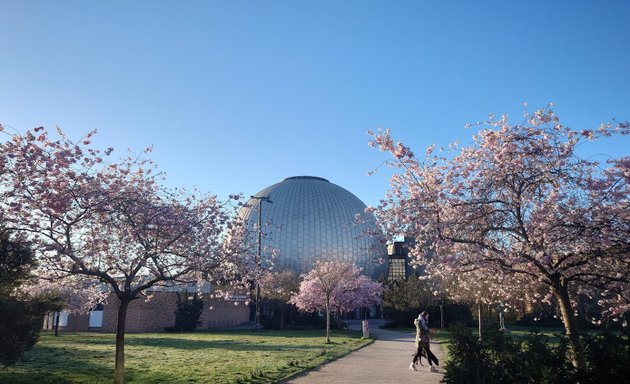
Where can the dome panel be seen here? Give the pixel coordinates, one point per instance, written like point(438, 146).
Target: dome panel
point(314, 219)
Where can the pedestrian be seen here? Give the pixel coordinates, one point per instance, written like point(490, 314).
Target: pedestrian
point(417, 358)
point(423, 343)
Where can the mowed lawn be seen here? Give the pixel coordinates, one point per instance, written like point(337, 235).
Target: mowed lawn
point(200, 357)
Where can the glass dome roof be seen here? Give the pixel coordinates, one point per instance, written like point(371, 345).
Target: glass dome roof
point(310, 218)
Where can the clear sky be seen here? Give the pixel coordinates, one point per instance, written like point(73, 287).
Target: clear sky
point(237, 95)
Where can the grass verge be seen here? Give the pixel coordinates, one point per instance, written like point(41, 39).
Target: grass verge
point(201, 357)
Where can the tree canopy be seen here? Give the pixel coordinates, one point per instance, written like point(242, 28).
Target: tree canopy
point(112, 222)
point(519, 202)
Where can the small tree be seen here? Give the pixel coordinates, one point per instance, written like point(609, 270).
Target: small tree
point(335, 284)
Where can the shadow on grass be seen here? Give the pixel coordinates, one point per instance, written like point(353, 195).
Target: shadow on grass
point(75, 371)
point(231, 340)
point(191, 344)
point(89, 375)
point(305, 333)
point(232, 345)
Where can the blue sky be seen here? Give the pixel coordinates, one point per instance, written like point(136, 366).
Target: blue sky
point(237, 95)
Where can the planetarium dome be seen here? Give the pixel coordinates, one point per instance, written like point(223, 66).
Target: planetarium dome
point(309, 218)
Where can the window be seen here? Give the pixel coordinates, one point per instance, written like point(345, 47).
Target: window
point(63, 319)
point(96, 317)
point(396, 269)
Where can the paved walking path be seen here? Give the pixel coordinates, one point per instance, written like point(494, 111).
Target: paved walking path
point(386, 360)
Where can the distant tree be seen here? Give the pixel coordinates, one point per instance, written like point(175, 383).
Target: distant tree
point(111, 221)
point(187, 313)
point(74, 294)
point(280, 287)
point(520, 202)
point(404, 299)
point(477, 289)
point(333, 284)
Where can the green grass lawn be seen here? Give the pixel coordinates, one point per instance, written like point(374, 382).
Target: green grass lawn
point(201, 357)
point(440, 335)
point(517, 332)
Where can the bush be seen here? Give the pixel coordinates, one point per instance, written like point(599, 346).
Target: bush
point(500, 359)
point(20, 319)
point(187, 314)
point(20, 323)
point(608, 357)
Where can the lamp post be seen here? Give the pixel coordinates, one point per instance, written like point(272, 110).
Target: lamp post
point(258, 255)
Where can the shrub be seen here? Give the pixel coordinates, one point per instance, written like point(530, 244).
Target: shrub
point(187, 314)
point(608, 357)
point(20, 323)
point(498, 358)
point(20, 320)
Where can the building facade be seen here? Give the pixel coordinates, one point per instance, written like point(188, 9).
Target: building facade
point(153, 315)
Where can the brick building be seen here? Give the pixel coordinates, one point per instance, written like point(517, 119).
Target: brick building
point(153, 315)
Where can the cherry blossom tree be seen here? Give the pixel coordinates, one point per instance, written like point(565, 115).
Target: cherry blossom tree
point(110, 221)
point(357, 292)
point(519, 202)
point(335, 284)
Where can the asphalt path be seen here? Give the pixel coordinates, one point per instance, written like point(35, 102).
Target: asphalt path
point(386, 360)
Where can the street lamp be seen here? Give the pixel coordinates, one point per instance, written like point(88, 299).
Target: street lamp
point(257, 275)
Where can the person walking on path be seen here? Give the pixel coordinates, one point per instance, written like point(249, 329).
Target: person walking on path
point(384, 361)
point(423, 343)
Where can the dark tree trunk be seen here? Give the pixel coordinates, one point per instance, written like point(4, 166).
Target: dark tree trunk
point(119, 368)
point(283, 312)
point(56, 322)
point(561, 292)
point(328, 319)
point(479, 312)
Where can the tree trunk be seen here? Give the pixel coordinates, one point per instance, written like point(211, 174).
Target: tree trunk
point(119, 368)
point(327, 319)
point(561, 292)
point(283, 312)
point(479, 314)
point(56, 322)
